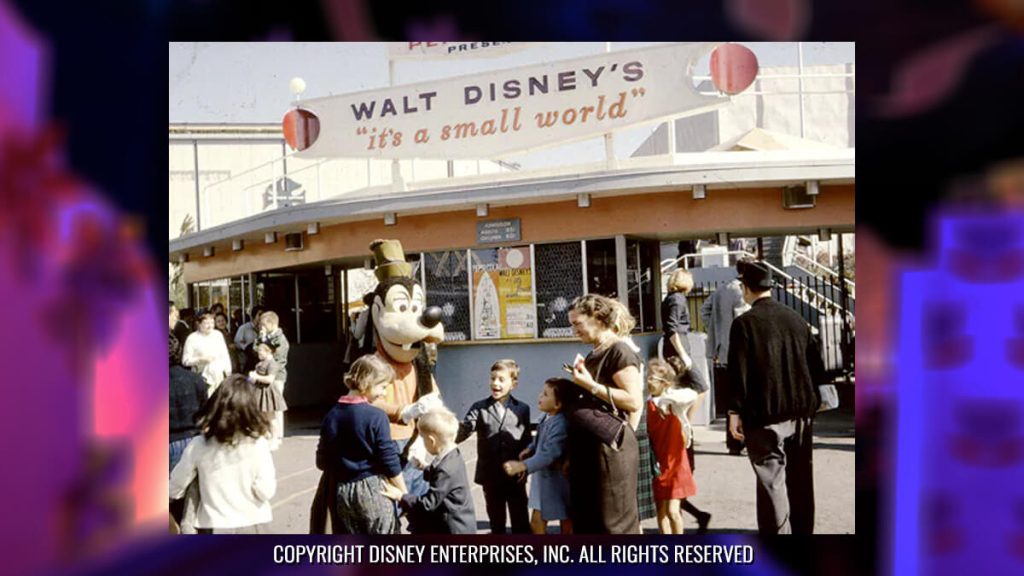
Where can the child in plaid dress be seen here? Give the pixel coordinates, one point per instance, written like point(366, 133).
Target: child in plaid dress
point(271, 399)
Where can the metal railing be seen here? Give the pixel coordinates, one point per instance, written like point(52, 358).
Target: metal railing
point(850, 284)
point(837, 348)
point(808, 297)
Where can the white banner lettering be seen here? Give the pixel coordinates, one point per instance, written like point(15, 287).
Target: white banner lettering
point(494, 114)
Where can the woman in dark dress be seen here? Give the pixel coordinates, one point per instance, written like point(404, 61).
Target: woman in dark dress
point(603, 479)
point(675, 317)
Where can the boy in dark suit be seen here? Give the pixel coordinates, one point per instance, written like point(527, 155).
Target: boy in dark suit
point(501, 424)
point(447, 507)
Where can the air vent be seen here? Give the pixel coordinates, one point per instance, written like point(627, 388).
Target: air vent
point(794, 197)
point(293, 242)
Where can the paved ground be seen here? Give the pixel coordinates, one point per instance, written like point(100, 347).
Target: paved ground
point(725, 483)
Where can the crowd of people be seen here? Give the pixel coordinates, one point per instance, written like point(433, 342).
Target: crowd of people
point(226, 417)
point(614, 445)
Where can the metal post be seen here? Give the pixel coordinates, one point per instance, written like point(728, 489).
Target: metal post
point(252, 291)
point(472, 310)
point(583, 257)
point(533, 290)
point(241, 293)
point(396, 167)
point(343, 290)
point(800, 82)
point(609, 140)
point(298, 324)
point(340, 308)
point(195, 164)
point(671, 125)
point(843, 302)
point(622, 284)
point(658, 292)
point(273, 183)
point(639, 286)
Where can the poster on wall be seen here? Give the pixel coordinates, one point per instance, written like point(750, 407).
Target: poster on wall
point(503, 294)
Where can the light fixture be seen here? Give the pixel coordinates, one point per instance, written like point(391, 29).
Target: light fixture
point(208, 251)
point(390, 219)
point(367, 264)
point(824, 234)
point(327, 270)
point(297, 86)
point(481, 210)
point(583, 200)
point(270, 237)
point(699, 192)
point(237, 245)
point(812, 187)
point(723, 238)
point(313, 228)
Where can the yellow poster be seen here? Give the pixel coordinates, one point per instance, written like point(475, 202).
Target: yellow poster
point(503, 294)
point(515, 291)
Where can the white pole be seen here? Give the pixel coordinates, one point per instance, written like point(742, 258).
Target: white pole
point(609, 140)
point(671, 125)
point(396, 167)
point(800, 82)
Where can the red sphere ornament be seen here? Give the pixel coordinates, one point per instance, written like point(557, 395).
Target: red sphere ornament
point(733, 68)
point(301, 128)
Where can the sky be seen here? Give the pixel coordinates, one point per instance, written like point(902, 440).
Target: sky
point(248, 82)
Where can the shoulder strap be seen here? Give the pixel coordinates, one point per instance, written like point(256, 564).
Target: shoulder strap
point(607, 388)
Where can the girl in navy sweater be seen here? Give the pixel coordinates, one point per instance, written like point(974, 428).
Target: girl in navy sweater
point(356, 447)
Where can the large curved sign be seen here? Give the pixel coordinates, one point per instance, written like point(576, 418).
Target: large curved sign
point(496, 113)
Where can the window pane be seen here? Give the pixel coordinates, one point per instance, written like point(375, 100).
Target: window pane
point(559, 281)
point(601, 277)
point(316, 301)
point(447, 287)
point(275, 291)
point(641, 257)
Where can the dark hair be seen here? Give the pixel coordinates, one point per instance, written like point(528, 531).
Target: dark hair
point(562, 388)
point(202, 317)
point(255, 310)
point(219, 314)
point(173, 350)
point(216, 305)
point(170, 306)
point(233, 410)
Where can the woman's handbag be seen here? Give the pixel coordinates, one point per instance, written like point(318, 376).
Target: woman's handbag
point(598, 418)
